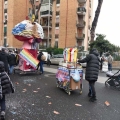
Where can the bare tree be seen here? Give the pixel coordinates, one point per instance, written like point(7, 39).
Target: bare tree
point(34, 7)
point(95, 21)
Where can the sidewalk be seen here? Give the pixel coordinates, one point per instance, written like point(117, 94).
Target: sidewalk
point(53, 70)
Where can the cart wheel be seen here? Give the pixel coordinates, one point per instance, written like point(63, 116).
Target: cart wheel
point(69, 93)
point(57, 85)
point(106, 84)
point(80, 92)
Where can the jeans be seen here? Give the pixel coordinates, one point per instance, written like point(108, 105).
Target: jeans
point(109, 67)
point(92, 88)
point(41, 66)
point(2, 103)
point(11, 68)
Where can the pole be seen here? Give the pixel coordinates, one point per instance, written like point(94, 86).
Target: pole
point(48, 25)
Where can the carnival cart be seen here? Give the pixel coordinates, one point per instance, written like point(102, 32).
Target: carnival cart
point(70, 74)
point(30, 34)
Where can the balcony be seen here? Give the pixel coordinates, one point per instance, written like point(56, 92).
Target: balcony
point(46, 13)
point(81, 1)
point(46, 36)
point(80, 37)
point(81, 10)
point(80, 24)
point(46, 1)
point(45, 26)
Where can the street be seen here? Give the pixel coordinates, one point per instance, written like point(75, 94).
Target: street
point(37, 98)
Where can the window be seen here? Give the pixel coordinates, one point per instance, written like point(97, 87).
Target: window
point(5, 42)
point(5, 10)
point(56, 36)
point(56, 44)
point(57, 13)
point(58, 2)
point(5, 31)
point(57, 25)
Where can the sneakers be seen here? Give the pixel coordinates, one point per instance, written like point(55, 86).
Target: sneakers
point(89, 94)
point(92, 99)
point(2, 115)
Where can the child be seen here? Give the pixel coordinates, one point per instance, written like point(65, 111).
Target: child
point(6, 87)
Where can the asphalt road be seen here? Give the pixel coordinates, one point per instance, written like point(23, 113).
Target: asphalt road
point(38, 98)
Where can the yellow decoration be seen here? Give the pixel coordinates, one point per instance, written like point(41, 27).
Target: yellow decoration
point(33, 18)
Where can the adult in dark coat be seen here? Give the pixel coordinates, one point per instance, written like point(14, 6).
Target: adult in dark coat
point(92, 71)
point(41, 62)
point(4, 59)
point(11, 61)
point(6, 87)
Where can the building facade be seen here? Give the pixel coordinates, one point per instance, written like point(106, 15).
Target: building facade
point(66, 23)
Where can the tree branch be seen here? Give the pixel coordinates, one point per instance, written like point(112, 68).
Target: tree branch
point(36, 16)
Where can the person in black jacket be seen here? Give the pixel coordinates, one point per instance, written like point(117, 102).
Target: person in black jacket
point(4, 59)
point(92, 71)
point(41, 62)
point(11, 61)
point(6, 87)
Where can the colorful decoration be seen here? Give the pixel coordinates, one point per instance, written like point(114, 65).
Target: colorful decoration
point(28, 57)
point(70, 54)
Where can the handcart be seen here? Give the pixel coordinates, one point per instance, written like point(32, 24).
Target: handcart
point(70, 74)
point(65, 80)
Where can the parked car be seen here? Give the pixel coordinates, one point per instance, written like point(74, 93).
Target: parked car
point(55, 59)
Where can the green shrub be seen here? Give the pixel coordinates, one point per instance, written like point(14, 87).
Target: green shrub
point(117, 58)
point(55, 50)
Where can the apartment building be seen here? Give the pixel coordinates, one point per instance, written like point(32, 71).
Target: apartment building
point(66, 23)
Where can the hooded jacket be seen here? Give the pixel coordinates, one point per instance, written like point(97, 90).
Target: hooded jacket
point(6, 85)
point(92, 68)
point(4, 59)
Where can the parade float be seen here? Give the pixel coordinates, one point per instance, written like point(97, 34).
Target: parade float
point(31, 34)
point(70, 73)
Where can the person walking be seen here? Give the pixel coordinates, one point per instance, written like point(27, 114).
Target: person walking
point(41, 62)
point(4, 59)
point(92, 71)
point(110, 60)
point(6, 87)
point(101, 65)
point(11, 61)
point(48, 59)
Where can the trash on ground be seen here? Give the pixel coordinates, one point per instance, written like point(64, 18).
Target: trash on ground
point(78, 105)
point(107, 103)
point(55, 112)
point(48, 96)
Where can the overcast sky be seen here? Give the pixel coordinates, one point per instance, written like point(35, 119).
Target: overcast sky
point(109, 20)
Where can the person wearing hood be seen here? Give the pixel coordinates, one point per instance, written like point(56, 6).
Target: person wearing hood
point(92, 71)
point(11, 61)
point(4, 59)
point(6, 87)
